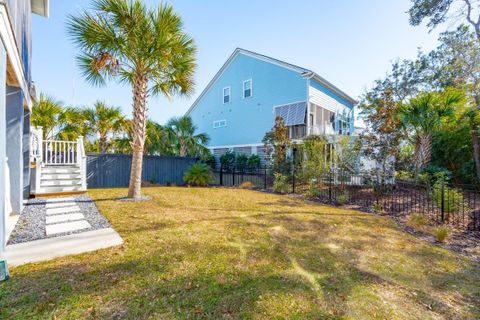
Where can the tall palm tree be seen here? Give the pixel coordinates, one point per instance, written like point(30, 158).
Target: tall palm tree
point(187, 142)
point(144, 48)
point(423, 116)
point(71, 124)
point(45, 113)
point(104, 121)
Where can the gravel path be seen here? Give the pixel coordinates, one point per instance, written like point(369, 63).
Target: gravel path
point(31, 224)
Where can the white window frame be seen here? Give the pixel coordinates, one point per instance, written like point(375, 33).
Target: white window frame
point(217, 123)
point(229, 95)
point(251, 88)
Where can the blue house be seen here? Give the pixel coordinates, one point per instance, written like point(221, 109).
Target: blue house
point(16, 94)
point(241, 102)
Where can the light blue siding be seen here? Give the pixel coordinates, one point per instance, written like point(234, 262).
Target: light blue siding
point(3, 148)
point(329, 93)
point(247, 119)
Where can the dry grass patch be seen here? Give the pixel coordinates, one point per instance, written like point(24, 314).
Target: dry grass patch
point(212, 253)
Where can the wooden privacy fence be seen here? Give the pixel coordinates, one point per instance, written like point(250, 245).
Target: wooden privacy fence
point(113, 170)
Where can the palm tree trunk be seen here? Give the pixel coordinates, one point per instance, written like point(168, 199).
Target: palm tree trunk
point(103, 144)
point(183, 148)
point(423, 152)
point(139, 132)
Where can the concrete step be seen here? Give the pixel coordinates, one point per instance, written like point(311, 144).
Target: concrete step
point(61, 176)
point(61, 189)
point(51, 183)
point(61, 169)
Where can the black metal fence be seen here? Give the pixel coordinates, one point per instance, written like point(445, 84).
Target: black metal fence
point(442, 202)
point(113, 170)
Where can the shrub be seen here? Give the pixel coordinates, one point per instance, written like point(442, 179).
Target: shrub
point(441, 234)
point(452, 199)
point(280, 183)
point(241, 161)
point(253, 162)
point(342, 198)
point(210, 161)
point(312, 193)
point(246, 185)
point(198, 174)
point(417, 221)
point(227, 160)
point(377, 207)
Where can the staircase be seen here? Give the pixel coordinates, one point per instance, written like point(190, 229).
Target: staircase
point(57, 167)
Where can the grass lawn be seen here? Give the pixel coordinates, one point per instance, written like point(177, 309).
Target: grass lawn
point(226, 253)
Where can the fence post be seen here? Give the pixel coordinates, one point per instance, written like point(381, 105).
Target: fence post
point(443, 201)
point(265, 177)
point(293, 178)
point(233, 176)
point(221, 174)
point(330, 186)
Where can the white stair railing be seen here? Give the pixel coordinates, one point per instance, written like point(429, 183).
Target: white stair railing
point(44, 153)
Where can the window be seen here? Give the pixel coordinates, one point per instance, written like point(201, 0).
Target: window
point(219, 124)
point(226, 95)
point(247, 88)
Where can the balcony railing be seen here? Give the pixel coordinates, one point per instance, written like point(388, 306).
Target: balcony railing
point(321, 129)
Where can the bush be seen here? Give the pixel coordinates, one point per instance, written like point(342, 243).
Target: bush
point(441, 234)
point(210, 161)
point(280, 183)
point(377, 207)
point(452, 199)
point(342, 198)
point(227, 160)
point(254, 162)
point(246, 185)
point(312, 193)
point(417, 221)
point(241, 161)
point(198, 174)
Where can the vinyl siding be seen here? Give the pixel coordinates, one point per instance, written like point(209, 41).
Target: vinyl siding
point(248, 119)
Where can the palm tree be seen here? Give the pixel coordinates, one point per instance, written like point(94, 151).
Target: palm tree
point(144, 48)
point(187, 143)
point(71, 124)
point(104, 121)
point(45, 113)
point(423, 115)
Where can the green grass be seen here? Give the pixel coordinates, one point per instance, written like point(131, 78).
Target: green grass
point(239, 254)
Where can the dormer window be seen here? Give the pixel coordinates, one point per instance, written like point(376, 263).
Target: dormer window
point(247, 88)
point(226, 95)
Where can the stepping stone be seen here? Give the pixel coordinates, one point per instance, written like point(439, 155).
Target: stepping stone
point(61, 210)
point(67, 227)
point(63, 199)
point(60, 204)
point(64, 218)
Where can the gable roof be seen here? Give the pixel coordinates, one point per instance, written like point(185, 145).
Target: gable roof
point(306, 73)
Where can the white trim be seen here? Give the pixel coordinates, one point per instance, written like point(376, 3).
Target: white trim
point(229, 94)
point(236, 146)
point(251, 88)
point(8, 39)
point(218, 121)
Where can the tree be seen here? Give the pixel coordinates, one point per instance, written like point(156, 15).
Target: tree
point(346, 153)
point(144, 48)
point(383, 136)
point(71, 124)
point(45, 113)
point(457, 63)
point(437, 11)
point(277, 143)
point(104, 121)
point(183, 134)
point(423, 116)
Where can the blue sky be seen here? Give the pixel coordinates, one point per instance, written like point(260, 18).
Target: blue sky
point(350, 43)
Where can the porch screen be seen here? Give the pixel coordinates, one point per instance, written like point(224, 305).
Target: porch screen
point(293, 114)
